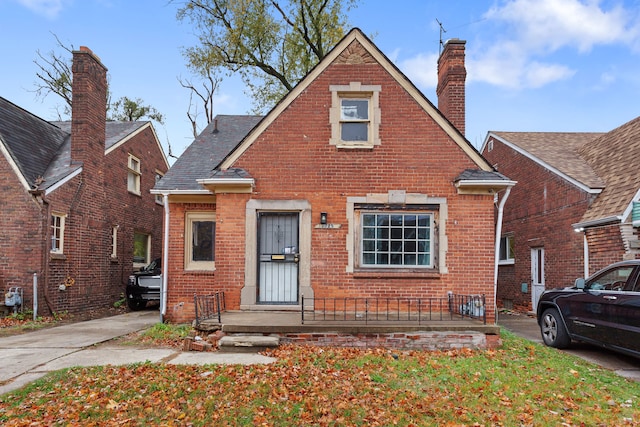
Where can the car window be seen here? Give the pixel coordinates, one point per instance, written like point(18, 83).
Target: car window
point(613, 280)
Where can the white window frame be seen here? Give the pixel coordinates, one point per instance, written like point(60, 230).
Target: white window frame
point(369, 234)
point(57, 233)
point(189, 264)
point(355, 91)
point(159, 198)
point(509, 257)
point(147, 255)
point(133, 175)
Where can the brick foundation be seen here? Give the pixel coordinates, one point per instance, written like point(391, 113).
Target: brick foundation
point(431, 340)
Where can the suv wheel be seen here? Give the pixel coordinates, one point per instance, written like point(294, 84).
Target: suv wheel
point(136, 304)
point(554, 334)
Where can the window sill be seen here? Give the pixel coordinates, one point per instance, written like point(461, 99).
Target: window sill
point(354, 145)
point(200, 272)
point(396, 274)
point(507, 262)
point(57, 256)
point(135, 194)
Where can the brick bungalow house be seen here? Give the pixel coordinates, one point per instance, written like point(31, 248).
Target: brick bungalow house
point(354, 185)
point(76, 200)
point(571, 213)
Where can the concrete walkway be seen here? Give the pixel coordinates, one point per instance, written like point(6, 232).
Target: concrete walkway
point(29, 356)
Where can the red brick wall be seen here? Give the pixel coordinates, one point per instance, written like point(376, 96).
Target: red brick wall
point(185, 284)
point(93, 202)
point(293, 159)
point(539, 212)
point(100, 280)
point(605, 246)
point(21, 245)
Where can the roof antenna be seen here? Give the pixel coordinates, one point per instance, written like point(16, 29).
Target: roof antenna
point(442, 30)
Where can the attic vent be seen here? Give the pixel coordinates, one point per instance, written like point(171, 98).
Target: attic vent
point(635, 214)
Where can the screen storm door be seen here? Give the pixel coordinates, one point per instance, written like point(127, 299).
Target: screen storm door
point(537, 275)
point(278, 254)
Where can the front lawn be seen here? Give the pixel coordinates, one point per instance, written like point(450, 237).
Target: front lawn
point(521, 384)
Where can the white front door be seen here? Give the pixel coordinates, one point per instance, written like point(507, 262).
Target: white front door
point(537, 275)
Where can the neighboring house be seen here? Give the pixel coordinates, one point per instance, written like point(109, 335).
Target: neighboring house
point(76, 210)
point(571, 212)
point(354, 185)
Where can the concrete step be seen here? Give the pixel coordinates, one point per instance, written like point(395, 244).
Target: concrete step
point(247, 343)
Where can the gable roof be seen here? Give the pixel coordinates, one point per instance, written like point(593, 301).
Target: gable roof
point(205, 153)
point(601, 163)
point(614, 157)
point(40, 151)
point(557, 152)
point(28, 142)
point(356, 35)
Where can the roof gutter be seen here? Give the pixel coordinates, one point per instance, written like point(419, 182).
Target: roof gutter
point(227, 185)
point(580, 226)
point(225, 181)
point(180, 192)
point(480, 186)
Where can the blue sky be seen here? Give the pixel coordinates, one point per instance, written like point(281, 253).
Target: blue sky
point(532, 65)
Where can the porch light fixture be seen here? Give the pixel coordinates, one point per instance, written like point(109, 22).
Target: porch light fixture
point(323, 217)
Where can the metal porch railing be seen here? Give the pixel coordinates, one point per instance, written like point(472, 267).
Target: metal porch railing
point(411, 310)
point(209, 307)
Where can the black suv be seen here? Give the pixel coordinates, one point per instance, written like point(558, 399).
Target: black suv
point(144, 286)
point(603, 310)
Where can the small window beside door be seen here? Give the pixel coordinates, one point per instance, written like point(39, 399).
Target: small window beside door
point(507, 250)
point(200, 239)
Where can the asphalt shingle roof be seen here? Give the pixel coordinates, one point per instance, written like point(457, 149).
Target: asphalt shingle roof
point(603, 161)
point(206, 152)
point(41, 149)
point(613, 156)
point(560, 151)
point(33, 143)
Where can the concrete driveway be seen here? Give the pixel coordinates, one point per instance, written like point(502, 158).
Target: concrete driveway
point(526, 326)
point(30, 356)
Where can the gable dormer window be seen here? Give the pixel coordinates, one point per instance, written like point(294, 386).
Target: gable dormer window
point(354, 115)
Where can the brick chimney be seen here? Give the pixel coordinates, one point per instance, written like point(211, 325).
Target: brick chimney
point(451, 81)
point(88, 110)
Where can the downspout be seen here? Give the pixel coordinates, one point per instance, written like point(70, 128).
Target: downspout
point(165, 259)
point(46, 217)
point(497, 250)
point(585, 249)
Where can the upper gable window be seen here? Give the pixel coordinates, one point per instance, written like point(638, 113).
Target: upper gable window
point(354, 119)
point(354, 115)
point(133, 176)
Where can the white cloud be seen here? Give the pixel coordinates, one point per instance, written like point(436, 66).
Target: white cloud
point(548, 25)
point(536, 29)
point(538, 74)
point(47, 8)
point(421, 69)
point(507, 65)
